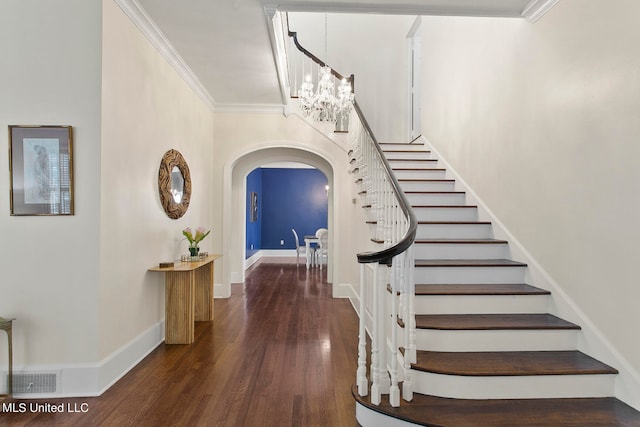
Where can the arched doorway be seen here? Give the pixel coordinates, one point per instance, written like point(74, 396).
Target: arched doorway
point(234, 199)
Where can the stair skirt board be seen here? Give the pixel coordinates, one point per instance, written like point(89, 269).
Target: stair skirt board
point(513, 387)
point(494, 340)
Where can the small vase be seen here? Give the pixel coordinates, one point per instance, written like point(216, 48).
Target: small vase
point(194, 250)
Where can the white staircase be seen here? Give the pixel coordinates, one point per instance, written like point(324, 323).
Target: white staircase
point(482, 333)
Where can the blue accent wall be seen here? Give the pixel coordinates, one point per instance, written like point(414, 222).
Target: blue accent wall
point(287, 198)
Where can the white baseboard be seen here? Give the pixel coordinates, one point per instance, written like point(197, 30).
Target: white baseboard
point(90, 380)
point(592, 340)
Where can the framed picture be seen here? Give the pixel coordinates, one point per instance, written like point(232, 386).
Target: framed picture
point(41, 170)
point(253, 216)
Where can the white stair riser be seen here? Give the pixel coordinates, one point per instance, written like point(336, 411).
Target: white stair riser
point(513, 387)
point(481, 304)
point(414, 155)
point(413, 164)
point(461, 250)
point(438, 199)
point(492, 340)
point(467, 213)
point(369, 418)
point(403, 147)
point(427, 185)
point(421, 174)
point(457, 275)
point(454, 231)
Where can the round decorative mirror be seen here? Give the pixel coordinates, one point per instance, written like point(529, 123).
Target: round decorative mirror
point(174, 184)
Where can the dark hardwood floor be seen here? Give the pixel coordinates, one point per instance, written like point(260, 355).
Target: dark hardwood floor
point(280, 352)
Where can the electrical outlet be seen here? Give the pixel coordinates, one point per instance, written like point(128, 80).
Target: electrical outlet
point(281, 242)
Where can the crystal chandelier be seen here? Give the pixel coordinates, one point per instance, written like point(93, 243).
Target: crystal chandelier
point(324, 105)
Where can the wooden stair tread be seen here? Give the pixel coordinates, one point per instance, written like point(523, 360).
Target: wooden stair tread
point(433, 411)
point(468, 263)
point(462, 241)
point(412, 160)
point(453, 222)
point(434, 192)
point(445, 206)
point(479, 289)
point(401, 169)
point(474, 322)
point(510, 363)
point(424, 180)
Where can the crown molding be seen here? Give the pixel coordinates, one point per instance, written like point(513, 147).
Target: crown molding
point(387, 8)
point(535, 9)
point(150, 30)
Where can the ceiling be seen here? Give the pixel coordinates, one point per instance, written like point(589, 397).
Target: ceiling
point(223, 47)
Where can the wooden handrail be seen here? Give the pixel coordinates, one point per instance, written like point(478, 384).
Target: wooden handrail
point(311, 56)
point(386, 255)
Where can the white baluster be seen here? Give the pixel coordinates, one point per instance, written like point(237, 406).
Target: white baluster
point(361, 376)
point(394, 392)
point(375, 343)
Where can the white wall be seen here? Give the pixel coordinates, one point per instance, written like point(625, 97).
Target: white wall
point(147, 110)
point(49, 75)
point(541, 120)
point(374, 49)
point(86, 307)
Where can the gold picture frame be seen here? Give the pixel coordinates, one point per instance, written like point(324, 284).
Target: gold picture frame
point(41, 170)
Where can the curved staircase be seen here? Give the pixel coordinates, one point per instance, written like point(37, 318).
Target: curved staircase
point(488, 352)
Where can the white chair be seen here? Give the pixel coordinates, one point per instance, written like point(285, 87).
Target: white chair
point(302, 249)
point(323, 245)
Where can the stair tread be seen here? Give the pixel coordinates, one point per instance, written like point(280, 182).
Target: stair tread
point(434, 192)
point(462, 241)
point(406, 159)
point(467, 322)
point(445, 206)
point(468, 263)
point(510, 363)
point(424, 180)
point(436, 411)
point(454, 222)
point(479, 289)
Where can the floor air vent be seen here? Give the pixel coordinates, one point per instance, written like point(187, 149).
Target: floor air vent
point(31, 382)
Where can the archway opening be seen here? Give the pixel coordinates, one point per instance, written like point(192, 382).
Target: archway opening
point(235, 210)
point(281, 197)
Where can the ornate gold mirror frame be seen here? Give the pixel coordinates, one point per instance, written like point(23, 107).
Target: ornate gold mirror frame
point(174, 205)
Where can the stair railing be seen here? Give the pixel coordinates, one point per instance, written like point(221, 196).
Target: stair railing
point(395, 229)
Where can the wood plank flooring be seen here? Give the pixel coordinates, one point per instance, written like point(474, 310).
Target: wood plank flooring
point(280, 352)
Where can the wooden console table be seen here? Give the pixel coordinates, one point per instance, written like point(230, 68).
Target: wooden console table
point(188, 298)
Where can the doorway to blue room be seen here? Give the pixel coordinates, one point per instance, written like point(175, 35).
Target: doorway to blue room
point(281, 197)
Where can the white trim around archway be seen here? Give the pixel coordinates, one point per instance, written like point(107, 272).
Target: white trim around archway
point(234, 197)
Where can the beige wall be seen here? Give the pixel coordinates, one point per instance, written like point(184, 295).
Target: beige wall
point(86, 307)
point(51, 76)
point(541, 120)
point(147, 110)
